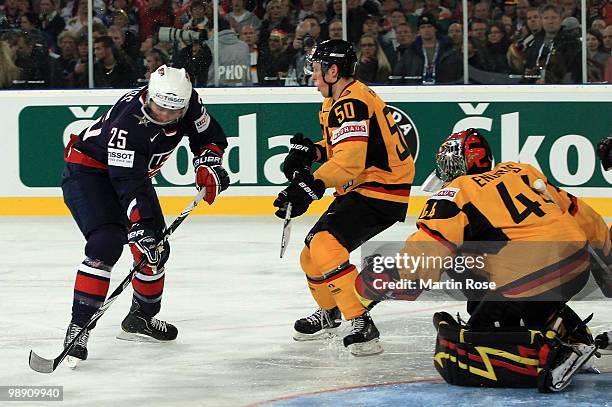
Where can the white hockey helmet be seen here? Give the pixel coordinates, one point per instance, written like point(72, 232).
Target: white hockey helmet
point(169, 88)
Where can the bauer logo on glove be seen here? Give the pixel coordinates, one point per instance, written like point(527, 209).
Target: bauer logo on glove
point(302, 190)
point(209, 172)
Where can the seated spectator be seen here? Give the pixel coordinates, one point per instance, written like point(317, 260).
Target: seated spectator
point(154, 58)
point(248, 34)
point(599, 25)
point(554, 55)
point(335, 29)
point(29, 23)
point(128, 10)
point(508, 25)
point(127, 44)
point(80, 75)
point(273, 20)
point(442, 14)
point(435, 60)
point(478, 30)
point(9, 72)
point(455, 35)
point(234, 58)
point(197, 17)
point(607, 40)
point(70, 9)
point(11, 14)
point(373, 66)
point(68, 55)
point(496, 48)
point(273, 63)
point(239, 16)
point(596, 56)
point(111, 70)
point(80, 20)
point(319, 10)
point(50, 21)
point(482, 11)
point(38, 69)
point(405, 34)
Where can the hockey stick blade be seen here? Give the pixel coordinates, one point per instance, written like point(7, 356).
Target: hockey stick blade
point(286, 231)
point(42, 365)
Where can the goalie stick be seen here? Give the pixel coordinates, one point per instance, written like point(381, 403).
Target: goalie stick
point(43, 365)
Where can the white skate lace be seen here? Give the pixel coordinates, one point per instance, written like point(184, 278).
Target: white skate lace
point(74, 331)
point(159, 325)
point(357, 325)
point(317, 316)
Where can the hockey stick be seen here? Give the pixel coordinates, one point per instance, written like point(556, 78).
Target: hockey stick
point(287, 225)
point(43, 365)
point(286, 230)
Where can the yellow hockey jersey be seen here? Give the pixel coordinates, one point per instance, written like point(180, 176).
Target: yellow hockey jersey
point(535, 244)
point(366, 151)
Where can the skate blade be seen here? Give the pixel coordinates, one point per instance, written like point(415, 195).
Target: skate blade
point(370, 348)
point(321, 335)
point(72, 362)
point(136, 337)
point(568, 375)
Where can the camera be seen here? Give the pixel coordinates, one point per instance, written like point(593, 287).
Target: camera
point(171, 34)
point(308, 41)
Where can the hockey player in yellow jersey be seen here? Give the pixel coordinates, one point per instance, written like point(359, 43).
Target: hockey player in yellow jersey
point(536, 243)
point(366, 159)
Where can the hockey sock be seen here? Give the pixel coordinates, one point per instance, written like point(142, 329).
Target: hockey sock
point(319, 291)
point(148, 288)
point(331, 260)
point(90, 289)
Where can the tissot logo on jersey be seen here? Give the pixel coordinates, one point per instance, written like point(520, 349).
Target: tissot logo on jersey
point(120, 158)
point(353, 131)
point(446, 194)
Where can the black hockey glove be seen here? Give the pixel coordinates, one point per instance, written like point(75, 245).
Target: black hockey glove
point(604, 151)
point(302, 154)
point(143, 243)
point(302, 190)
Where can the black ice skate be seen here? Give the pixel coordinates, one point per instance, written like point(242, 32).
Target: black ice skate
point(604, 342)
point(79, 351)
point(363, 338)
point(563, 362)
point(140, 327)
point(321, 324)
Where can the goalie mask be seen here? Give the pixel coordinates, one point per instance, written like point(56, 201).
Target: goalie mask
point(463, 153)
point(169, 88)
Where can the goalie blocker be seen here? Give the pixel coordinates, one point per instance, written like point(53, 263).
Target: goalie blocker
point(521, 357)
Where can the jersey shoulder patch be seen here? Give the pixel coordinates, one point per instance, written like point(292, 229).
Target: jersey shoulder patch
point(448, 194)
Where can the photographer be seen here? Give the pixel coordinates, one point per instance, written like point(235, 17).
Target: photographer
point(234, 58)
point(196, 58)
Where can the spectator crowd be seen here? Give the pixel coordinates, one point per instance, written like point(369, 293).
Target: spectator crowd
point(43, 43)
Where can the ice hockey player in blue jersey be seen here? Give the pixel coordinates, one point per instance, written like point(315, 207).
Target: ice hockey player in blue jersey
point(107, 187)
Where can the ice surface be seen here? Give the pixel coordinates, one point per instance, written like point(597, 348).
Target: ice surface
point(234, 303)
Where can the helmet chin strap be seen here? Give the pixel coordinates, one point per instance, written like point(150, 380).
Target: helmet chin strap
point(330, 84)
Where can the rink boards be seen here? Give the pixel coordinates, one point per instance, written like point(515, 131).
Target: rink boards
point(555, 128)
